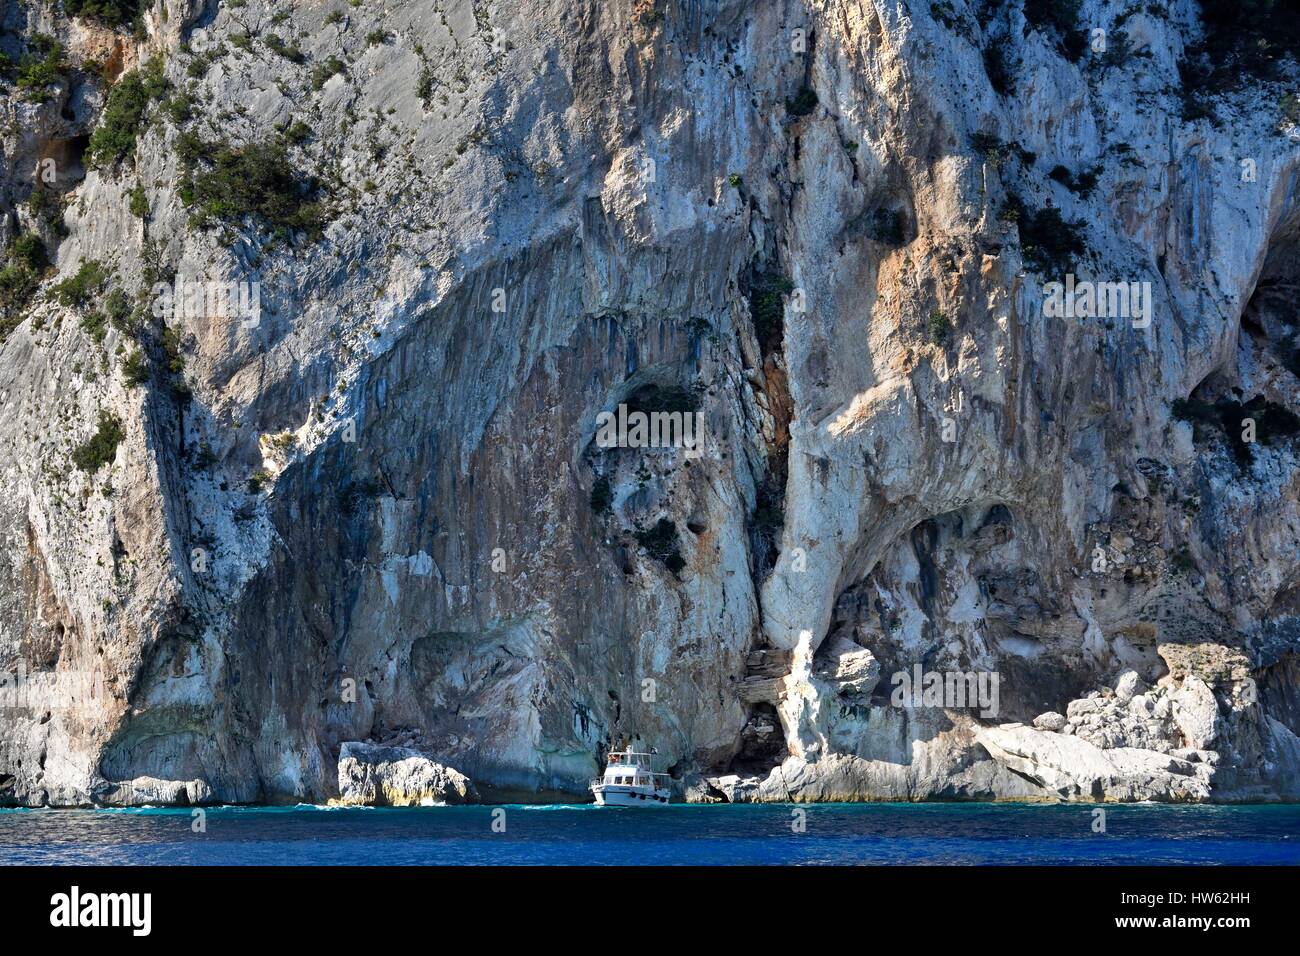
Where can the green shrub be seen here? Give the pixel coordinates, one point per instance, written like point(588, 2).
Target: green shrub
point(286, 50)
point(802, 103)
point(171, 343)
point(189, 148)
point(135, 369)
point(298, 133)
point(257, 479)
point(1049, 243)
point(101, 448)
point(661, 542)
point(602, 495)
point(1243, 41)
point(943, 12)
point(41, 67)
point(114, 139)
point(45, 205)
point(1118, 49)
point(117, 309)
point(95, 324)
point(1289, 104)
point(112, 13)
point(28, 250)
point(74, 291)
point(423, 86)
point(197, 68)
point(254, 181)
point(1061, 19)
point(767, 308)
point(1001, 76)
point(139, 202)
point(995, 152)
point(320, 75)
point(17, 286)
point(180, 108)
point(20, 277)
point(939, 327)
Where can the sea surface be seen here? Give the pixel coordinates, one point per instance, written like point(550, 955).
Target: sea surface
point(882, 833)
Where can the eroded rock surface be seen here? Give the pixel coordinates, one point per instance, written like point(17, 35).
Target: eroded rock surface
point(379, 506)
point(373, 775)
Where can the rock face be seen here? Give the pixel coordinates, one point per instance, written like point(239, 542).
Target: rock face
point(1071, 768)
point(377, 776)
point(233, 543)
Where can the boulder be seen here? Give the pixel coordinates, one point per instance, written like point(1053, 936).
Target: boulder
point(1072, 769)
point(1128, 686)
point(153, 792)
point(374, 775)
point(1085, 705)
point(849, 665)
point(1050, 721)
point(1196, 713)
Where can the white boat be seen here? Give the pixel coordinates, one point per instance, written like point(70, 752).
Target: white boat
point(630, 781)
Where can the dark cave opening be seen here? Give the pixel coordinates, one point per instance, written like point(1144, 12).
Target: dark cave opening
point(1253, 405)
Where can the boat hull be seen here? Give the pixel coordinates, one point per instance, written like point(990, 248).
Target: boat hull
point(615, 796)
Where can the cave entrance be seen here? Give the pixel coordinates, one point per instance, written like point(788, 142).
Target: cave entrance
point(68, 156)
point(1272, 315)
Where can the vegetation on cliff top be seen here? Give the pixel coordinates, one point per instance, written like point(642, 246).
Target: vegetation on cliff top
point(110, 13)
point(1244, 41)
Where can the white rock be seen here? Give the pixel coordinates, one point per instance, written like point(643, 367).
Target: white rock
point(1050, 721)
point(1069, 768)
point(375, 775)
point(1129, 683)
point(1196, 713)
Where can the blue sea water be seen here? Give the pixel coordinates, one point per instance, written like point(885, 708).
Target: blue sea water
point(938, 834)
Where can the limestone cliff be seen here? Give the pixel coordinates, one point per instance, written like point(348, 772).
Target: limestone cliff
point(369, 507)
